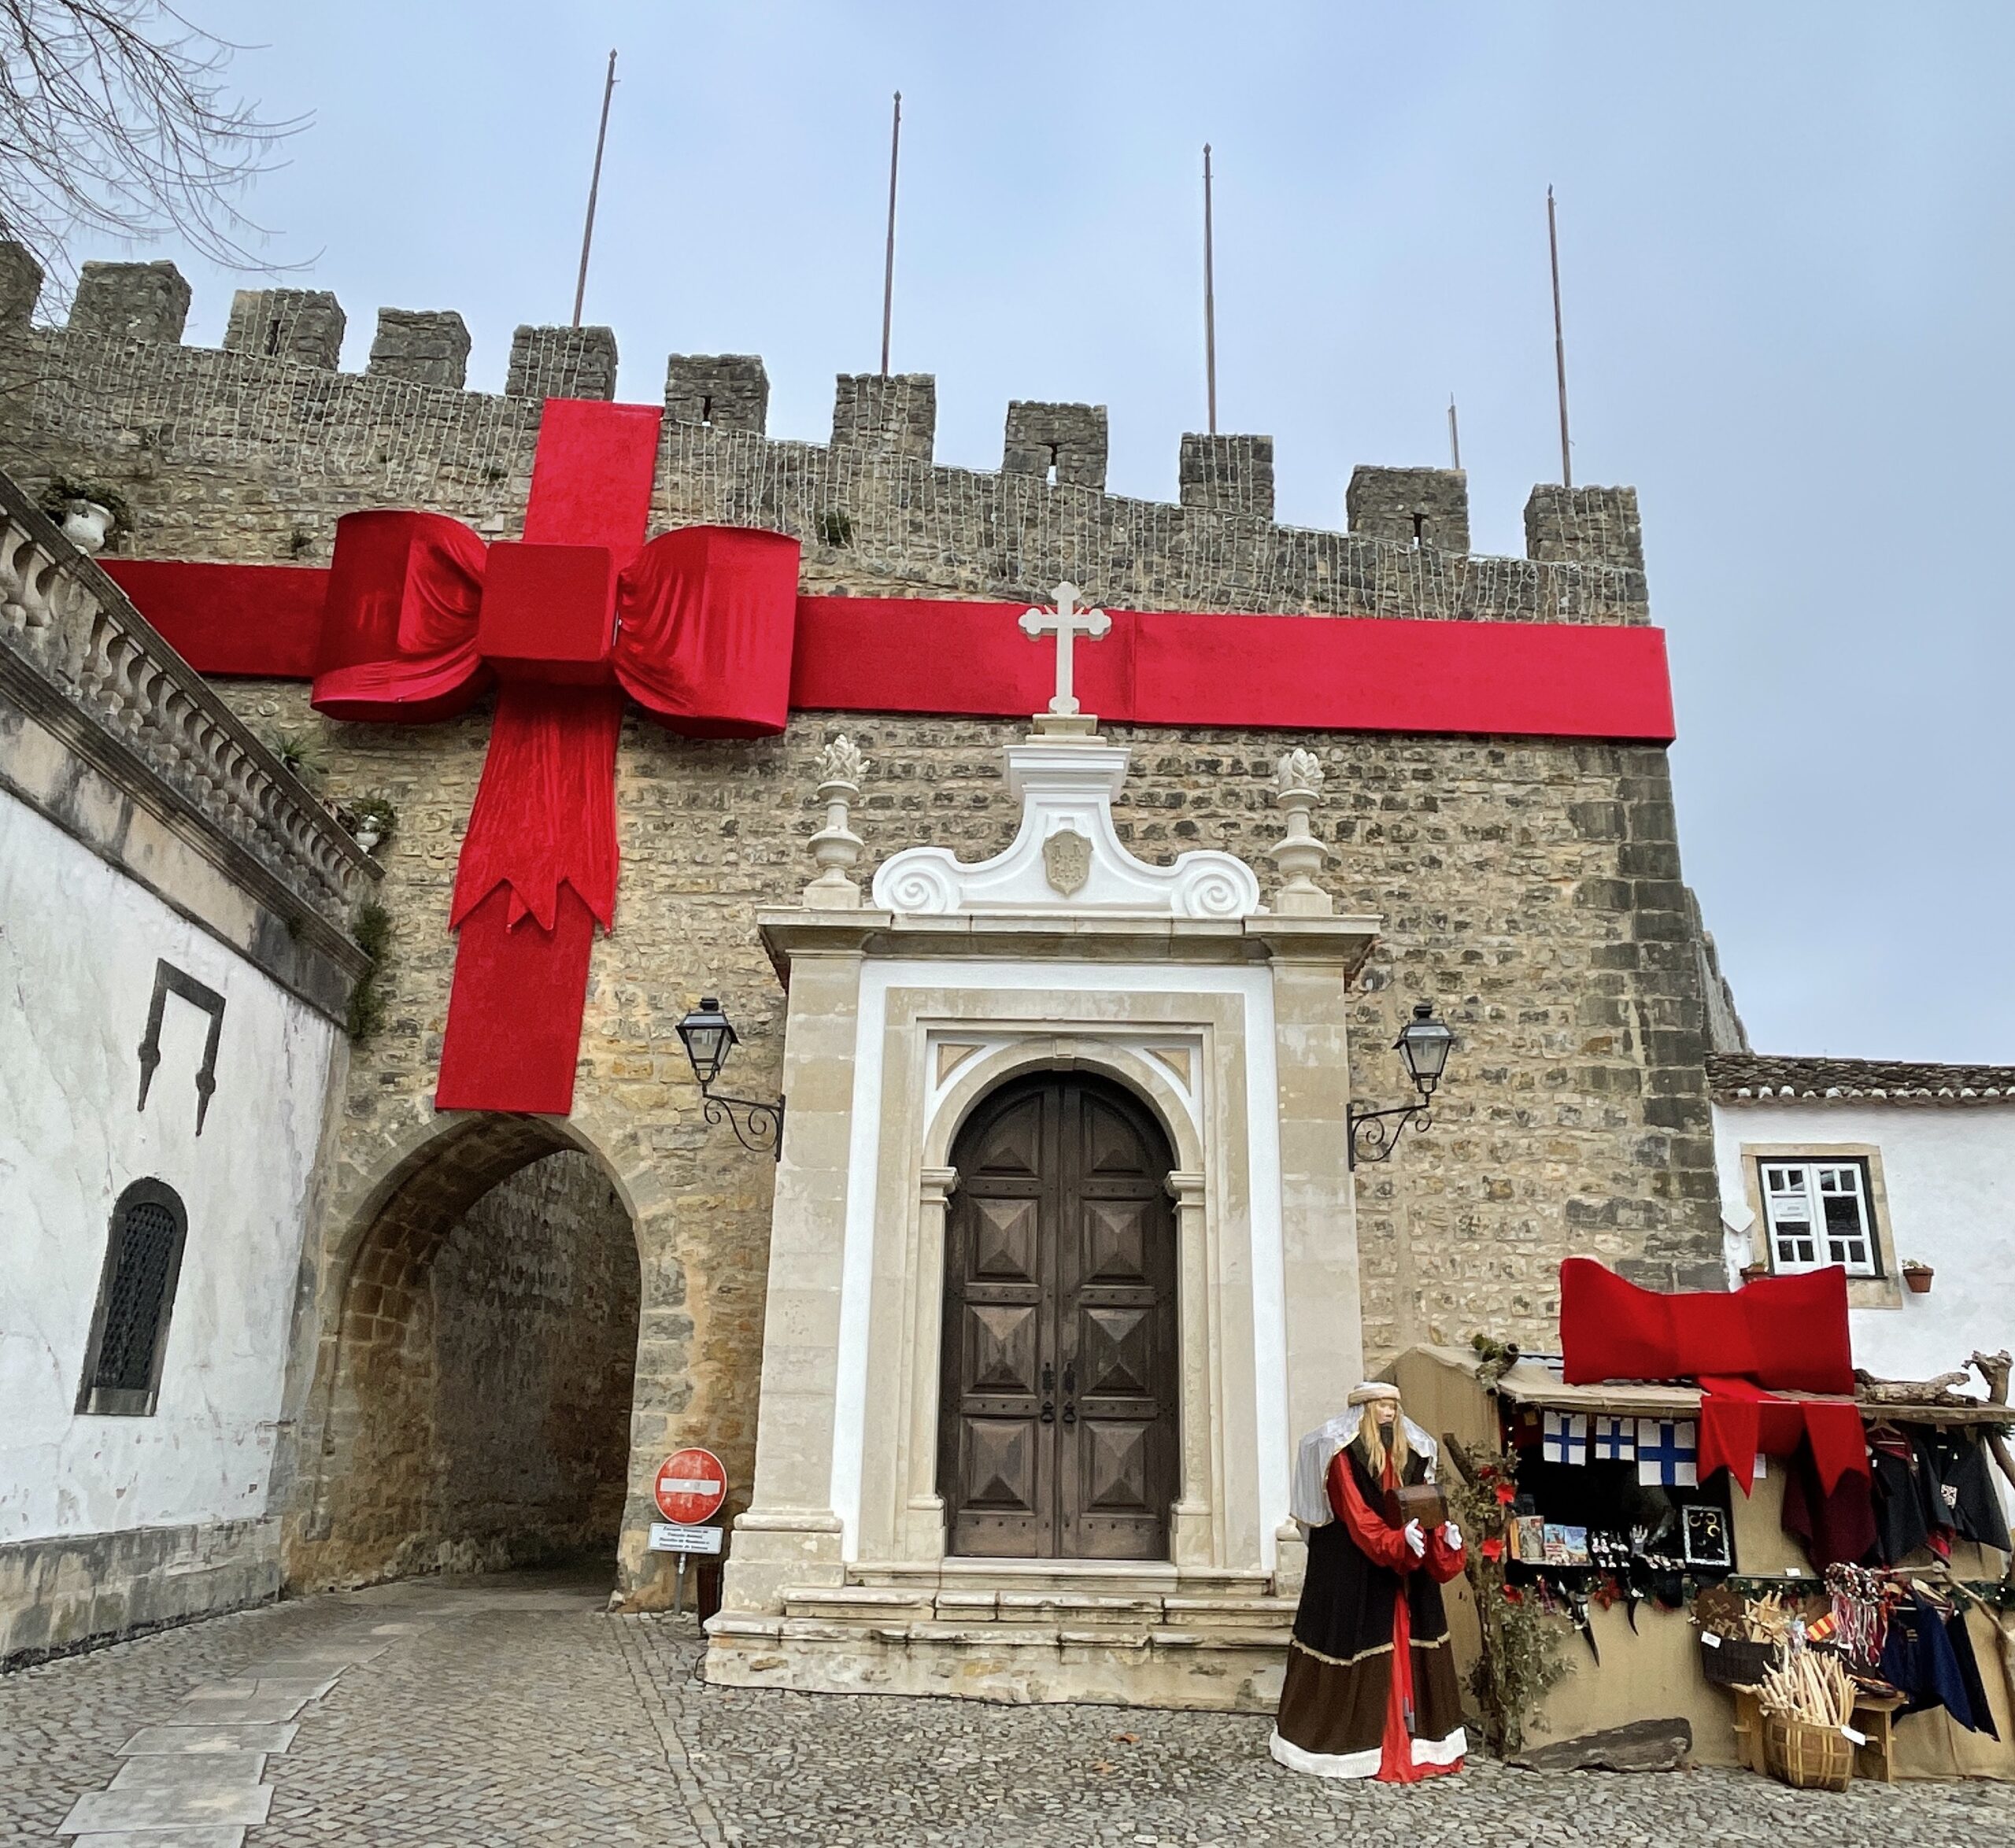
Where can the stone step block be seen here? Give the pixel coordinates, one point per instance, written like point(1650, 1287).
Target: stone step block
point(251, 1710)
point(219, 1835)
point(309, 1686)
point(1273, 1641)
point(1232, 1613)
point(206, 1741)
point(1049, 1607)
point(107, 1812)
point(732, 1625)
point(191, 1770)
point(839, 1603)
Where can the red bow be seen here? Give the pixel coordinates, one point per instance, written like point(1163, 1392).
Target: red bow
point(421, 618)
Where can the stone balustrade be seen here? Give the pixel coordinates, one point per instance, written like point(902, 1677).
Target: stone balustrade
point(67, 623)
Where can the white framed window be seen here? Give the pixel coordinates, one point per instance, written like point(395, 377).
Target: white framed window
point(1818, 1213)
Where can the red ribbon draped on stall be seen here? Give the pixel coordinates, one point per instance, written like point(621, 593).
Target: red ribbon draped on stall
point(1790, 1333)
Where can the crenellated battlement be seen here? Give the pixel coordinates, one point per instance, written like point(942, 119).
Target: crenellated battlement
point(254, 449)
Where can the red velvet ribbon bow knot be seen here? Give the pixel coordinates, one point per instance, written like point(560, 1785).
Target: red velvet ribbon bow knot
point(423, 619)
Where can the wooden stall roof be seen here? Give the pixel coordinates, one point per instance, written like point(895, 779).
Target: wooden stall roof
point(1537, 1382)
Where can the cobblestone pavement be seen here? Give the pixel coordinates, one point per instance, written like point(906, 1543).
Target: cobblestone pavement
point(512, 1711)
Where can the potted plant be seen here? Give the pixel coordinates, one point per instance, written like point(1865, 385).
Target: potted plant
point(372, 820)
point(1917, 1275)
point(1754, 1269)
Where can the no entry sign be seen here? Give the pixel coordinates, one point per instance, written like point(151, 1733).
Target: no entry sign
point(690, 1487)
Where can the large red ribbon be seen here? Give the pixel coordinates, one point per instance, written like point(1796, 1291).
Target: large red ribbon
point(421, 618)
point(416, 618)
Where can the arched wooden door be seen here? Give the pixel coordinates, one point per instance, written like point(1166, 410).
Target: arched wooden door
point(1057, 1427)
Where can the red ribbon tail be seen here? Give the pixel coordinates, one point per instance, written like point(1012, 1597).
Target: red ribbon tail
point(537, 871)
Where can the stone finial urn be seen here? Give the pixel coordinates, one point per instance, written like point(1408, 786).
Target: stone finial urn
point(836, 848)
point(1297, 783)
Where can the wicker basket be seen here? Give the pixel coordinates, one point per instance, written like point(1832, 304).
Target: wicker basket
point(1806, 1757)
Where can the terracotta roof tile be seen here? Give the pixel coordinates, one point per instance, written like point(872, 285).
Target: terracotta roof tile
point(1752, 1075)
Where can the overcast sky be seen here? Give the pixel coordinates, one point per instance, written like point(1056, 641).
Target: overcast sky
point(1786, 249)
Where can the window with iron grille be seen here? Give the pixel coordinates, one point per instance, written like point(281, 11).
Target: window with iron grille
point(135, 1297)
point(1819, 1213)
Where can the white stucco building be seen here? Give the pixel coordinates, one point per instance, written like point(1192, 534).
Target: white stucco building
point(1882, 1165)
point(176, 964)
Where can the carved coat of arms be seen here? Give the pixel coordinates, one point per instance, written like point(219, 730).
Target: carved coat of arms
point(1067, 859)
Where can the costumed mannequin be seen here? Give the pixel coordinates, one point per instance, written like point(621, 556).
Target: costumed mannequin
point(1370, 1689)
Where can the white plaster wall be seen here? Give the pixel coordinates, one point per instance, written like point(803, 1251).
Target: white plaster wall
point(1950, 1169)
point(78, 945)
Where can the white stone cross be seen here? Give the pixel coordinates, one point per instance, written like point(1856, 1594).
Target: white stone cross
point(1066, 623)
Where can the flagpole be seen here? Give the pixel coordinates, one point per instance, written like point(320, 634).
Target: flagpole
point(888, 261)
point(1454, 436)
point(1559, 343)
point(595, 189)
point(1209, 302)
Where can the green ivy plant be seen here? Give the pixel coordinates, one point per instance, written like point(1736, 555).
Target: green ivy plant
point(1521, 1653)
point(372, 930)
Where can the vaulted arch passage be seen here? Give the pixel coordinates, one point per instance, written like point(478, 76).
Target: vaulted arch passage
point(478, 1412)
point(1057, 1433)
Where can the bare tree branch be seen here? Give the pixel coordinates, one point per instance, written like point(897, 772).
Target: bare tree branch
point(115, 117)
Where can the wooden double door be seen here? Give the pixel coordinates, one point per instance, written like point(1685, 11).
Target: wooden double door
point(1057, 1435)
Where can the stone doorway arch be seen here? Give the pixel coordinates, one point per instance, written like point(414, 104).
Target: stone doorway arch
point(477, 1365)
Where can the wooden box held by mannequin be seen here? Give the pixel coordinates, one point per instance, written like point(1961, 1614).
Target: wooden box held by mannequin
point(1423, 1502)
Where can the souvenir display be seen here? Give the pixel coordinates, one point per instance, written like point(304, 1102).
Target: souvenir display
point(1565, 1437)
point(1704, 1531)
point(1668, 1452)
point(1613, 1440)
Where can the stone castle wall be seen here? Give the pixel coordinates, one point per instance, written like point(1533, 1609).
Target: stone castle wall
point(1530, 888)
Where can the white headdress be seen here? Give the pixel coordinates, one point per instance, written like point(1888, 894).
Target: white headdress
point(1309, 1501)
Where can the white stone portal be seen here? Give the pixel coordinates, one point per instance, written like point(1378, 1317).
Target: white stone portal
point(1064, 954)
point(1067, 855)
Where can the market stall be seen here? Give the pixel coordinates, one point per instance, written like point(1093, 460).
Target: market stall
point(1649, 1548)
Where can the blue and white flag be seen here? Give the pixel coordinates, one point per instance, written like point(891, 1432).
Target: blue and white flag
point(1615, 1440)
point(1564, 1437)
point(1668, 1452)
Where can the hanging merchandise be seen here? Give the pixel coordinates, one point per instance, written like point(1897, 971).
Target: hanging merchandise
point(1835, 1527)
point(1668, 1451)
point(1928, 1655)
point(1860, 1614)
point(1906, 1507)
point(1565, 1438)
point(1614, 1440)
point(1955, 1465)
point(1577, 1608)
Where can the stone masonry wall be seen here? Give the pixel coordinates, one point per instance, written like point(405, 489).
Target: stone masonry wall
point(1530, 887)
point(535, 1342)
point(483, 1394)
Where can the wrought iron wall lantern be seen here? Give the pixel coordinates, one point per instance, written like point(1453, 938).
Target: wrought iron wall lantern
point(709, 1038)
point(1424, 1043)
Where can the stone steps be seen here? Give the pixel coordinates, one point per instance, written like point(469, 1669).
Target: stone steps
point(1090, 1578)
point(883, 1606)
